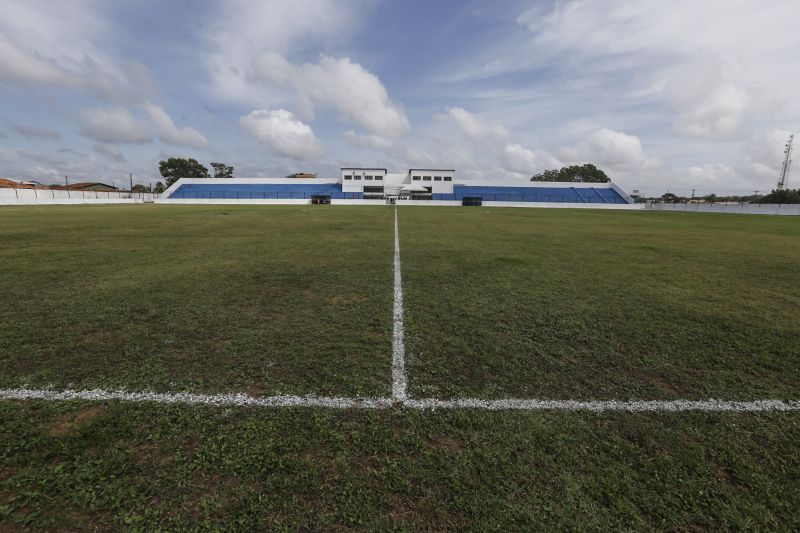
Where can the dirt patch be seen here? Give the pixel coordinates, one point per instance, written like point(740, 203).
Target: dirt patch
point(69, 422)
point(449, 443)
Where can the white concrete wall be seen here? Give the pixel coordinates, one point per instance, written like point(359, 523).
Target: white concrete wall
point(746, 209)
point(64, 201)
point(56, 197)
point(566, 205)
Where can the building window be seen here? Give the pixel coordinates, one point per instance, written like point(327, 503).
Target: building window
point(437, 178)
point(368, 178)
point(426, 178)
point(378, 178)
point(416, 178)
point(356, 177)
point(373, 189)
point(348, 177)
point(448, 178)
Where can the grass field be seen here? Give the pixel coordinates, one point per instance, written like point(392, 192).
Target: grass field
point(524, 303)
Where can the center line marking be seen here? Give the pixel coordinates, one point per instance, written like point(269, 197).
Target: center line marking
point(399, 378)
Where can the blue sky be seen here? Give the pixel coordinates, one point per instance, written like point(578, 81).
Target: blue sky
point(673, 96)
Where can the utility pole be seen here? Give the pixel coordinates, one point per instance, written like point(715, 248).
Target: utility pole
point(131, 189)
point(66, 180)
point(692, 200)
point(787, 162)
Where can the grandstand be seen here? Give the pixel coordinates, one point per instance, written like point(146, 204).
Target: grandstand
point(376, 185)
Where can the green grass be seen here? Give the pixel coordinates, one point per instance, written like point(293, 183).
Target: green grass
point(213, 299)
point(581, 304)
point(499, 302)
point(77, 466)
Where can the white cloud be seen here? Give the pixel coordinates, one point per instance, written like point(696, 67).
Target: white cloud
point(58, 44)
point(282, 132)
point(368, 140)
point(357, 94)
point(239, 30)
point(169, 133)
point(476, 128)
point(113, 125)
point(616, 148)
point(520, 160)
point(110, 151)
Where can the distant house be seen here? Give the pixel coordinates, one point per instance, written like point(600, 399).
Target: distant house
point(11, 183)
point(301, 175)
point(85, 186)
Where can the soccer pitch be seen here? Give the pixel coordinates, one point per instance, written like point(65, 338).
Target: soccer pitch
point(232, 305)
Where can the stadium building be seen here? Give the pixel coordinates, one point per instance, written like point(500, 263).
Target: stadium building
point(377, 185)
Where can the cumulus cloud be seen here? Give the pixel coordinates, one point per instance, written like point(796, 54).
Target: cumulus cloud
point(357, 94)
point(169, 133)
point(369, 140)
point(46, 45)
point(240, 30)
point(616, 148)
point(474, 127)
point(110, 151)
point(113, 125)
point(34, 132)
point(282, 132)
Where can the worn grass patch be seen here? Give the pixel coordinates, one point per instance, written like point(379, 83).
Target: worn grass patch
point(208, 299)
point(583, 304)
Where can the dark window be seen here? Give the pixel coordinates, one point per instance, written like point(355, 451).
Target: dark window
point(378, 178)
point(416, 178)
point(426, 178)
point(448, 178)
point(373, 189)
point(348, 177)
point(356, 177)
point(368, 178)
point(437, 178)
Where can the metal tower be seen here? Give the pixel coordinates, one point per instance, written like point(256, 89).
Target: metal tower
point(787, 162)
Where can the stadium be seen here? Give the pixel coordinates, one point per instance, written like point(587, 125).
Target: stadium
point(376, 185)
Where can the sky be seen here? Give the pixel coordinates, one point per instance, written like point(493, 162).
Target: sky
point(664, 96)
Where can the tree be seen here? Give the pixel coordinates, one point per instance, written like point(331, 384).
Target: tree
point(784, 196)
point(710, 198)
point(159, 188)
point(669, 198)
point(221, 170)
point(587, 173)
point(175, 168)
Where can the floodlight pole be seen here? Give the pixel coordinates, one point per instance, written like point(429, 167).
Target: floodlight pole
point(787, 162)
point(66, 180)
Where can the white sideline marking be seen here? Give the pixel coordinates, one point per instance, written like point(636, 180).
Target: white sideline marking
point(243, 400)
point(631, 406)
point(187, 398)
point(399, 378)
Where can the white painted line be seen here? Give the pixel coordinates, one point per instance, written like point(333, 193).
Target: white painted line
point(399, 378)
point(631, 406)
point(245, 400)
point(196, 399)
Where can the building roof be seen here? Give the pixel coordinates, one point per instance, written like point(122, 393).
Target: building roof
point(434, 169)
point(362, 168)
point(83, 185)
